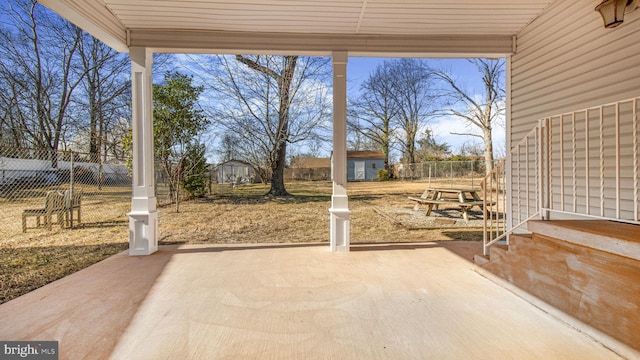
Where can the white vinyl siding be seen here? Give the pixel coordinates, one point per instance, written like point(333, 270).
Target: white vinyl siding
point(567, 61)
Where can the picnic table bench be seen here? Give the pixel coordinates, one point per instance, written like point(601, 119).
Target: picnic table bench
point(462, 198)
point(60, 204)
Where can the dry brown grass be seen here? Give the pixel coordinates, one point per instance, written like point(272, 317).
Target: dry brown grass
point(243, 215)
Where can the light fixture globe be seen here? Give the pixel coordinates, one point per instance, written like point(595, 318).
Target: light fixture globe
point(612, 11)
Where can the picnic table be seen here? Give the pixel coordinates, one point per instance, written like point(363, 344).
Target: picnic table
point(464, 198)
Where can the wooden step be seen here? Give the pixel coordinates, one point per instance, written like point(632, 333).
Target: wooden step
point(589, 269)
point(516, 240)
point(480, 260)
point(609, 236)
point(498, 253)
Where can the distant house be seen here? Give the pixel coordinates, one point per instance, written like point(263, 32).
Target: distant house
point(364, 165)
point(230, 170)
point(309, 168)
point(310, 163)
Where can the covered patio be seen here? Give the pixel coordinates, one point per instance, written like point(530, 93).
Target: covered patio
point(400, 301)
point(339, 29)
point(292, 301)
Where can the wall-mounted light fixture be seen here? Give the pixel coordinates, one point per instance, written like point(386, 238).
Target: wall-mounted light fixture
point(612, 11)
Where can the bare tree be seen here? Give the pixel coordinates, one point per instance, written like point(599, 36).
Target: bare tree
point(480, 112)
point(372, 113)
point(40, 64)
point(269, 102)
point(395, 102)
point(415, 98)
point(472, 148)
point(228, 147)
point(107, 93)
point(358, 142)
point(11, 129)
point(430, 149)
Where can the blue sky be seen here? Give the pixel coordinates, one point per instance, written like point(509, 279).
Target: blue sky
point(359, 68)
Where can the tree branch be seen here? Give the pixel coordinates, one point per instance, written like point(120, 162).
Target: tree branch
point(467, 134)
point(255, 66)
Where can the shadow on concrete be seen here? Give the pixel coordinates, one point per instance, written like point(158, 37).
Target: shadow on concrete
point(107, 294)
point(464, 249)
point(207, 248)
point(91, 310)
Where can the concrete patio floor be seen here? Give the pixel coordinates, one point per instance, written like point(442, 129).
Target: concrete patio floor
point(292, 301)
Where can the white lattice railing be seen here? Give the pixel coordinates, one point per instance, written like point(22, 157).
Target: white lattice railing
point(584, 163)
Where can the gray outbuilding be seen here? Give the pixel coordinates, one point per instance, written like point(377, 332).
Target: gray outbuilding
point(230, 171)
point(364, 165)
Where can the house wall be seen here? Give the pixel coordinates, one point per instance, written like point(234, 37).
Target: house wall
point(371, 167)
point(567, 61)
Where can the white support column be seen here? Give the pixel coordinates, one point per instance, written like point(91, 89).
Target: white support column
point(339, 211)
point(508, 169)
point(143, 218)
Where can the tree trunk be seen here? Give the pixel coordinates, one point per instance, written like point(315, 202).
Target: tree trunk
point(386, 161)
point(488, 150)
point(410, 153)
point(277, 174)
point(282, 135)
point(385, 147)
point(93, 123)
point(411, 129)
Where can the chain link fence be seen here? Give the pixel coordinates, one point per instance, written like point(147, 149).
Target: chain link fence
point(442, 170)
point(40, 189)
point(473, 171)
point(307, 174)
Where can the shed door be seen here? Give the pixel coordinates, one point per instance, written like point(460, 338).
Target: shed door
point(359, 170)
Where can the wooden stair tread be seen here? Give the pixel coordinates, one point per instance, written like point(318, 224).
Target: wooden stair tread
point(614, 229)
point(613, 237)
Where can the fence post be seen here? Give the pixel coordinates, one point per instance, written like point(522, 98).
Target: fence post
point(472, 175)
point(209, 181)
point(100, 172)
point(71, 183)
point(451, 173)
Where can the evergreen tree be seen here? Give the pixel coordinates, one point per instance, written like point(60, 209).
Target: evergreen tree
point(194, 179)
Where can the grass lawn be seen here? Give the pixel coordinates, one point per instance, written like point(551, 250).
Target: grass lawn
point(242, 215)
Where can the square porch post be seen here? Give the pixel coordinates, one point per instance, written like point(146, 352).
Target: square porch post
point(339, 211)
point(143, 218)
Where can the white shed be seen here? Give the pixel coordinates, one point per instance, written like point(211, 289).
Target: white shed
point(230, 170)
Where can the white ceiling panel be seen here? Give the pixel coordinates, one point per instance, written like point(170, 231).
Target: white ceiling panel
point(122, 19)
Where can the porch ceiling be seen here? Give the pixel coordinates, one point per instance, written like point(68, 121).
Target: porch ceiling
point(315, 26)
